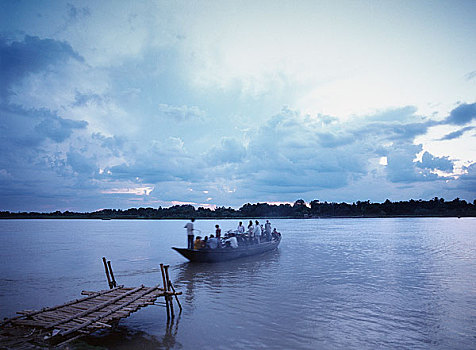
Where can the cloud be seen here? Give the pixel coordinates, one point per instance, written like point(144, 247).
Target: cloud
point(435, 163)
point(456, 134)
point(461, 115)
point(32, 55)
point(181, 113)
point(81, 163)
point(160, 161)
point(75, 13)
point(230, 150)
point(30, 127)
point(467, 181)
point(59, 129)
point(470, 75)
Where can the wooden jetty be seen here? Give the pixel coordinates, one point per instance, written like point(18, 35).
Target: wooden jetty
point(57, 325)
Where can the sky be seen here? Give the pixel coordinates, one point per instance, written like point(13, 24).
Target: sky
point(120, 104)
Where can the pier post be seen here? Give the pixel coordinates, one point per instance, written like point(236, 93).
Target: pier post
point(107, 273)
point(166, 268)
point(165, 291)
point(114, 284)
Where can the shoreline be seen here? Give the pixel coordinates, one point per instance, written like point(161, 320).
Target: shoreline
point(48, 217)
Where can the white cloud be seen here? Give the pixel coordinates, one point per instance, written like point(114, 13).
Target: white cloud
point(138, 191)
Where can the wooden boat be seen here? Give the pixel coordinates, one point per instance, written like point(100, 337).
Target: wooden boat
point(228, 253)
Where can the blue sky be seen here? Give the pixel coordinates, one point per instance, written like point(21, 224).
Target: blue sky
point(118, 104)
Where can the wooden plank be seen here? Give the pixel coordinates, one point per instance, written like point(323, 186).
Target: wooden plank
point(52, 308)
point(97, 307)
point(115, 309)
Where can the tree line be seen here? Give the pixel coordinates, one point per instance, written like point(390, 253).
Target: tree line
point(436, 207)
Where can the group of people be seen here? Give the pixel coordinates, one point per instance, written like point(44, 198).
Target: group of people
point(254, 234)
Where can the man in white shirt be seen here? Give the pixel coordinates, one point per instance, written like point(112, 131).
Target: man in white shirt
point(233, 241)
point(189, 227)
point(241, 228)
point(267, 230)
point(257, 231)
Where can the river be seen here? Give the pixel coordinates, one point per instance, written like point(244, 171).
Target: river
point(406, 283)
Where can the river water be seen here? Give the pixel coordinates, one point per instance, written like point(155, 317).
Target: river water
point(407, 283)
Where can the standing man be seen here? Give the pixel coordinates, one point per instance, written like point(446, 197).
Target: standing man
point(267, 230)
point(189, 227)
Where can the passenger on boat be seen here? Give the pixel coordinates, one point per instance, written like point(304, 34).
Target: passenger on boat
point(198, 243)
point(251, 228)
point(212, 242)
point(218, 231)
point(267, 230)
point(189, 227)
point(241, 228)
point(257, 232)
point(204, 242)
point(232, 241)
point(275, 234)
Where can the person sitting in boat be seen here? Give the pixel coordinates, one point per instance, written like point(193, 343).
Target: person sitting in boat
point(275, 234)
point(212, 242)
point(198, 243)
point(232, 241)
point(204, 242)
point(257, 232)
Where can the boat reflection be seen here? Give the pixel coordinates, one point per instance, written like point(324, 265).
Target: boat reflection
point(190, 277)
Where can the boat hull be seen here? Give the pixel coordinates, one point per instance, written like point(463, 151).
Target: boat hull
point(225, 254)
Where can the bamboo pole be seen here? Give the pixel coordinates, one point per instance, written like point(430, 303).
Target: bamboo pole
point(165, 291)
point(176, 297)
point(96, 308)
point(107, 273)
point(166, 268)
point(114, 284)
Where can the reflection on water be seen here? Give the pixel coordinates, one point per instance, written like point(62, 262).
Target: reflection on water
point(219, 277)
point(122, 337)
point(339, 283)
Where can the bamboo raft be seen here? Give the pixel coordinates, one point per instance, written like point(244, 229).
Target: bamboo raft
point(57, 325)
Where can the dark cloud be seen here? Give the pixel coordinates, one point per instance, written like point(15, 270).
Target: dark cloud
point(81, 163)
point(59, 129)
point(32, 55)
point(461, 115)
point(456, 134)
point(394, 131)
point(30, 127)
point(402, 168)
point(435, 163)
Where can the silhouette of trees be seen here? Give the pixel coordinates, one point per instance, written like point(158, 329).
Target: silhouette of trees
point(300, 209)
